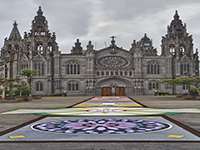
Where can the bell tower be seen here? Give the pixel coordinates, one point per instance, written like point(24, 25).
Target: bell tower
point(43, 49)
point(39, 24)
point(11, 51)
point(177, 42)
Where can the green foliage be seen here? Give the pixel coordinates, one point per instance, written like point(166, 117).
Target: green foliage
point(21, 90)
point(25, 91)
point(28, 73)
point(194, 91)
point(183, 80)
point(191, 82)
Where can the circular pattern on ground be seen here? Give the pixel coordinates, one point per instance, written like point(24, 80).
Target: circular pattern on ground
point(101, 126)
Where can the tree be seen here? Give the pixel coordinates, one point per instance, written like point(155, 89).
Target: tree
point(188, 81)
point(4, 83)
point(22, 89)
point(28, 73)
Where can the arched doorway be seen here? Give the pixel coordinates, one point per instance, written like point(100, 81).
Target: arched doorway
point(113, 91)
point(112, 87)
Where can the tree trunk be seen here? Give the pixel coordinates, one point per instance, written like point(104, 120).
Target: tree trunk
point(3, 93)
point(30, 86)
point(189, 89)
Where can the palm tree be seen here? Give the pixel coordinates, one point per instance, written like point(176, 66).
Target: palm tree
point(28, 73)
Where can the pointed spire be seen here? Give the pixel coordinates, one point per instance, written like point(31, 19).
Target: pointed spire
point(145, 38)
point(134, 44)
point(15, 34)
point(176, 25)
point(39, 24)
point(40, 12)
point(176, 16)
point(15, 24)
point(197, 51)
point(54, 36)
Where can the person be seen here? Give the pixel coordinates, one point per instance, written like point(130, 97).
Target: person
point(155, 92)
point(65, 93)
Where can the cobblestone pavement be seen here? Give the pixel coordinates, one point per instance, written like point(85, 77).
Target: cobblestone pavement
point(192, 120)
point(9, 121)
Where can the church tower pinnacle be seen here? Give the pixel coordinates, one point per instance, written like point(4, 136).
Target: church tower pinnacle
point(15, 34)
point(39, 24)
point(177, 42)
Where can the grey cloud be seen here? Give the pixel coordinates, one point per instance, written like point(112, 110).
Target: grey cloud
point(98, 19)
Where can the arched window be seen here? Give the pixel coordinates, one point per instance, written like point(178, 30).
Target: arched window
point(185, 87)
point(172, 50)
point(40, 48)
point(24, 65)
point(72, 68)
point(50, 47)
point(121, 73)
point(87, 83)
point(153, 85)
point(130, 73)
point(107, 73)
point(150, 86)
point(39, 86)
point(182, 49)
point(153, 68)
point(90, 83)
point(42, 33)
point(39, 67)
point(111, 73)
point(17, 47)
point(93, 82)
point(125, 73)
point(184, 68)
point(73, 86)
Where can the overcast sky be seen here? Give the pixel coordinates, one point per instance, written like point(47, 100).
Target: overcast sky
point(97, 20)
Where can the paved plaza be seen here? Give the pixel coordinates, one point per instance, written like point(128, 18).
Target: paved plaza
point(165, 138)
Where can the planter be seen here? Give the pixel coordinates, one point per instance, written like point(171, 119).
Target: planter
point(197, 98)
point(189, 97)
point(36, 97)
point(179, 96)
point(27, 98)
point(11, 98)
point(23, 98)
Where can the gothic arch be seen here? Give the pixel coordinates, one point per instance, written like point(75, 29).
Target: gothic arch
point(72, 67)
point(153, 67)
point(73, 85)
point(108, 81)
point(172, 50)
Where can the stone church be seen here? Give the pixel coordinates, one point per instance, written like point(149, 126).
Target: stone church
point(108, 71)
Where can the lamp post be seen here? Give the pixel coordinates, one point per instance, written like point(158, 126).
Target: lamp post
point(173, 74)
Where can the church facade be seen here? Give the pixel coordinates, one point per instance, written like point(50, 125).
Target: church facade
point(108, 71)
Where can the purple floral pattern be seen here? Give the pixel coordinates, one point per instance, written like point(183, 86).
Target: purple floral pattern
point(101, 126)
